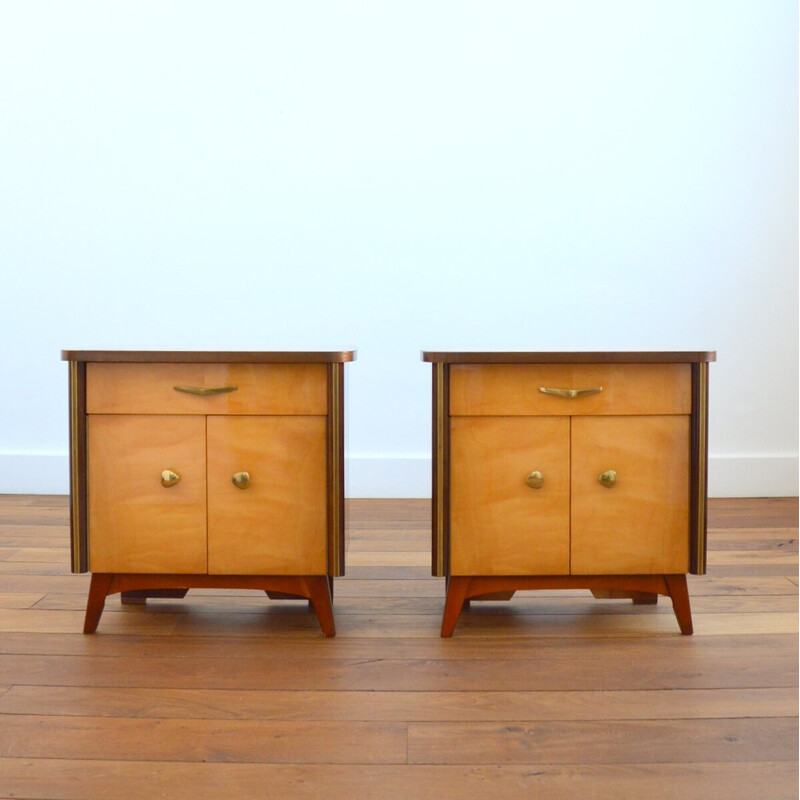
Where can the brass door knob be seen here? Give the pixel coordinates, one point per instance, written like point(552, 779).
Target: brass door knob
point(535, 480)
point(608, 479)
point(169, 478)
point(241, 480)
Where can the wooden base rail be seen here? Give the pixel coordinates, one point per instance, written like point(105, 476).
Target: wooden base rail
point(316, 589)
point(642, 589)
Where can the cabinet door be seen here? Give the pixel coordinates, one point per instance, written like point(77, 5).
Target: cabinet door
point(135, 523)
point(641, 525)
point(277, 525)
point(498, 524)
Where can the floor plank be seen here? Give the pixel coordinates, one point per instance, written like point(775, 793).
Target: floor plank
point(606, 742)
point(49, 779)
point(203, 740)
point(398, 706)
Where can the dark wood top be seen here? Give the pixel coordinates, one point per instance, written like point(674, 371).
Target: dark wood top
point(569, 358)
point(208, 357)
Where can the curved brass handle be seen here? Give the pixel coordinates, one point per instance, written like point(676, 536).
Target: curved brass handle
point(205, 392)
point(571, 392)
point(241, 480)
point(169, 478)
point(535, 480)
point(608, 479)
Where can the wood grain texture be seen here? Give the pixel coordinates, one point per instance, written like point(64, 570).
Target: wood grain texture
point(278, 524)
point(78, 498)
point(260, 388)
point(641, 524)
point(440, 473)
point(59, 780)
point(642, 589)
point(315, 588)
point(208, 356)
point(397, 706)
point(553, 694)
point(135, 523)
point(606, 742)
point(335, 474)
point(498, 524)
point(567, 357)
point(242, 741)
point(500, 389)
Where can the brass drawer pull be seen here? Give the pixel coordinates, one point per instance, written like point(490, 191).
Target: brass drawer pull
point(205, 392)
point(169, 478)
point(535, 480)
point(608, 479)
point(241, 480)
point(571, 392)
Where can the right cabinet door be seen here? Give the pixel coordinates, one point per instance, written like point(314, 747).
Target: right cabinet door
point(638, 523)
point(276, 524)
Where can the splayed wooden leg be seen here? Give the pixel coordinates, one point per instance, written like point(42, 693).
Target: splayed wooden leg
point(98, 591)
point(319, 591)
point(457, 588)
point(679, 593)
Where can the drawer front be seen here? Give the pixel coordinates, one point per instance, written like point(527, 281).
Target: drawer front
point(259, 389)
point(515, 389)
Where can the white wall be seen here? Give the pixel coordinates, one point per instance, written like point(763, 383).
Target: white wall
point(397, 176)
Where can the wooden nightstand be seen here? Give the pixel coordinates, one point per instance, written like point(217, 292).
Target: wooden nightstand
point(213, 470)
point(569, 470)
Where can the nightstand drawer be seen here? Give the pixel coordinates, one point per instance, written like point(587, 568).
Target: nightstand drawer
point(570, 389)
point(183, 388)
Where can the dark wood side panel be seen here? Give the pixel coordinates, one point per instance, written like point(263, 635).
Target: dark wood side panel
point(335, 449)
point(440, 545)
point(569, 358)
point(698, 481)
point(79, 498)
point(208, 357)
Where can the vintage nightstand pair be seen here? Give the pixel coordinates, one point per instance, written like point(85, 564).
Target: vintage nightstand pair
point(550, 470)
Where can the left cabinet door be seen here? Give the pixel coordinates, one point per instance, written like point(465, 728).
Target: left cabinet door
point(136, 524)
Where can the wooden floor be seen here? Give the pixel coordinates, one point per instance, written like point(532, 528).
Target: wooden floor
point(552, 695)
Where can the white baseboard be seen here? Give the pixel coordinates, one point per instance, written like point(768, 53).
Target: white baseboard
point(401, 476)
point(752, 476)
point(34, 473)
point(375, 476)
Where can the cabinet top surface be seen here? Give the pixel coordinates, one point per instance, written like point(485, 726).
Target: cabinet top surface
point(629, 357)
point(206, 357)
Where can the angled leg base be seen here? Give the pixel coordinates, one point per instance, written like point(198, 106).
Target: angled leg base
point(139, 586)
point(642, 589)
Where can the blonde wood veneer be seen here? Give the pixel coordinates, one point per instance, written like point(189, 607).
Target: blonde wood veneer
point(278, 524)
point(641, 525)
point(500, 526)
point(513, 389)
point(135, 388)
point(135, 524)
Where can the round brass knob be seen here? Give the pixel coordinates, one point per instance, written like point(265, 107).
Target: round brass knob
point(535, 480)
point(169, 478)
point(241, 480)
point(608, 479)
